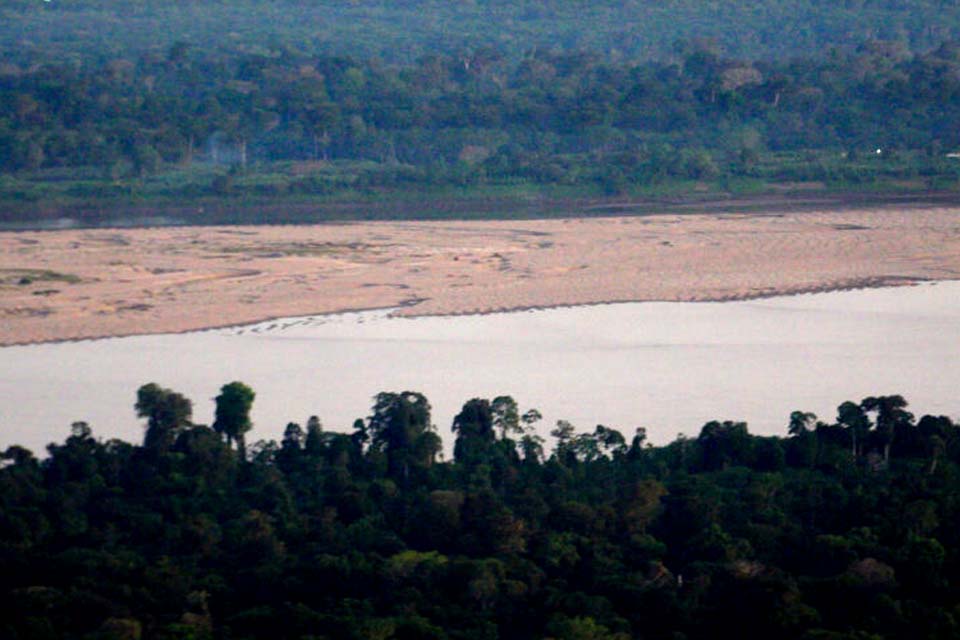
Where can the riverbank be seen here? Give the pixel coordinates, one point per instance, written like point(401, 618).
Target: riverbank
point(67, 285)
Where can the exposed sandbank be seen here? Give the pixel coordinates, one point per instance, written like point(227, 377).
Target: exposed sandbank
point(66, 285)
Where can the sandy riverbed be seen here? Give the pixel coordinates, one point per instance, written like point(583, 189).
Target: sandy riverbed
point(64, 285)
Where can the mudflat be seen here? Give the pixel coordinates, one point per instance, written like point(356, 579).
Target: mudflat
point(65, 285)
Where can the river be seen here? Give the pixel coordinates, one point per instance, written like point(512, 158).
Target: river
point(669, 367)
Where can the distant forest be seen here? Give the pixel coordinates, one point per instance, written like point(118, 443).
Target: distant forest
point(845, 529)
point(402, 31)
point(191, 100)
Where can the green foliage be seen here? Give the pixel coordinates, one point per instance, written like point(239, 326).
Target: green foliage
point(232, 415)
point(476, 31)
point(365, 535)
point(400, 429)
point(254, 124)
point(167, 412)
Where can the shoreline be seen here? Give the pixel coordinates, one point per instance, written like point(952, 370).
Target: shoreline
point(62, 286)
point(868, 284)
point(453, 207)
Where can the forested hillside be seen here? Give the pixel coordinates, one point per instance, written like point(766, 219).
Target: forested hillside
point(846, 528)
point(167, 103)
point(405, 30)
point(289, 124)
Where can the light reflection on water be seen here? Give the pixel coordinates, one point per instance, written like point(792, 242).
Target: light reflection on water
point(669, 367)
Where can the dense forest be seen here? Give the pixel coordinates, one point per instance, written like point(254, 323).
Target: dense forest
point(405, 30)
point(176, 102)
point(844, 529)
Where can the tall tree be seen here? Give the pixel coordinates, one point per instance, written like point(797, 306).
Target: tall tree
point(232, 417)
point(167, 413)
point(400, 427)
point(800, 422)
point(506, 416)
point(852, 417)
point(890, 416)
point(724, 443)
point(474, 426)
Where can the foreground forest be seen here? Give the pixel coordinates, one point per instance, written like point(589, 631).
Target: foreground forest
point(843, 529)
point(164, 104)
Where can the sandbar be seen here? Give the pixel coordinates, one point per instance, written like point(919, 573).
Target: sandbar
point(79, 284)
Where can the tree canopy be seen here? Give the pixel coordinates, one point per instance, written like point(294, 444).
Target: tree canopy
point(232, 416)
point(275, 122)
point(835, 531)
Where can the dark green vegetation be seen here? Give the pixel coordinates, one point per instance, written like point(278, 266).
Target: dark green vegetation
point(206, 111)
point(842, 530)
point(405, 30)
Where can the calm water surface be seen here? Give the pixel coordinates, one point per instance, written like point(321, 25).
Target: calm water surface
point(669, 367)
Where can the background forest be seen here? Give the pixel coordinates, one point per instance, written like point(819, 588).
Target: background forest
point(166, 103)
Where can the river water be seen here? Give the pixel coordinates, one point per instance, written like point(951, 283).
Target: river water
point(669, 367)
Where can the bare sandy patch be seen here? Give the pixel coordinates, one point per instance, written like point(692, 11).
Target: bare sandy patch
point(66, 285)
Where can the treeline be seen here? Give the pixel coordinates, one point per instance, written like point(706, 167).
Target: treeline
point(484, 118)
point(403, 30)
point(843, 529)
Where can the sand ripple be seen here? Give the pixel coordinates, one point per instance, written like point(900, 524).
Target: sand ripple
point(63, 285)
